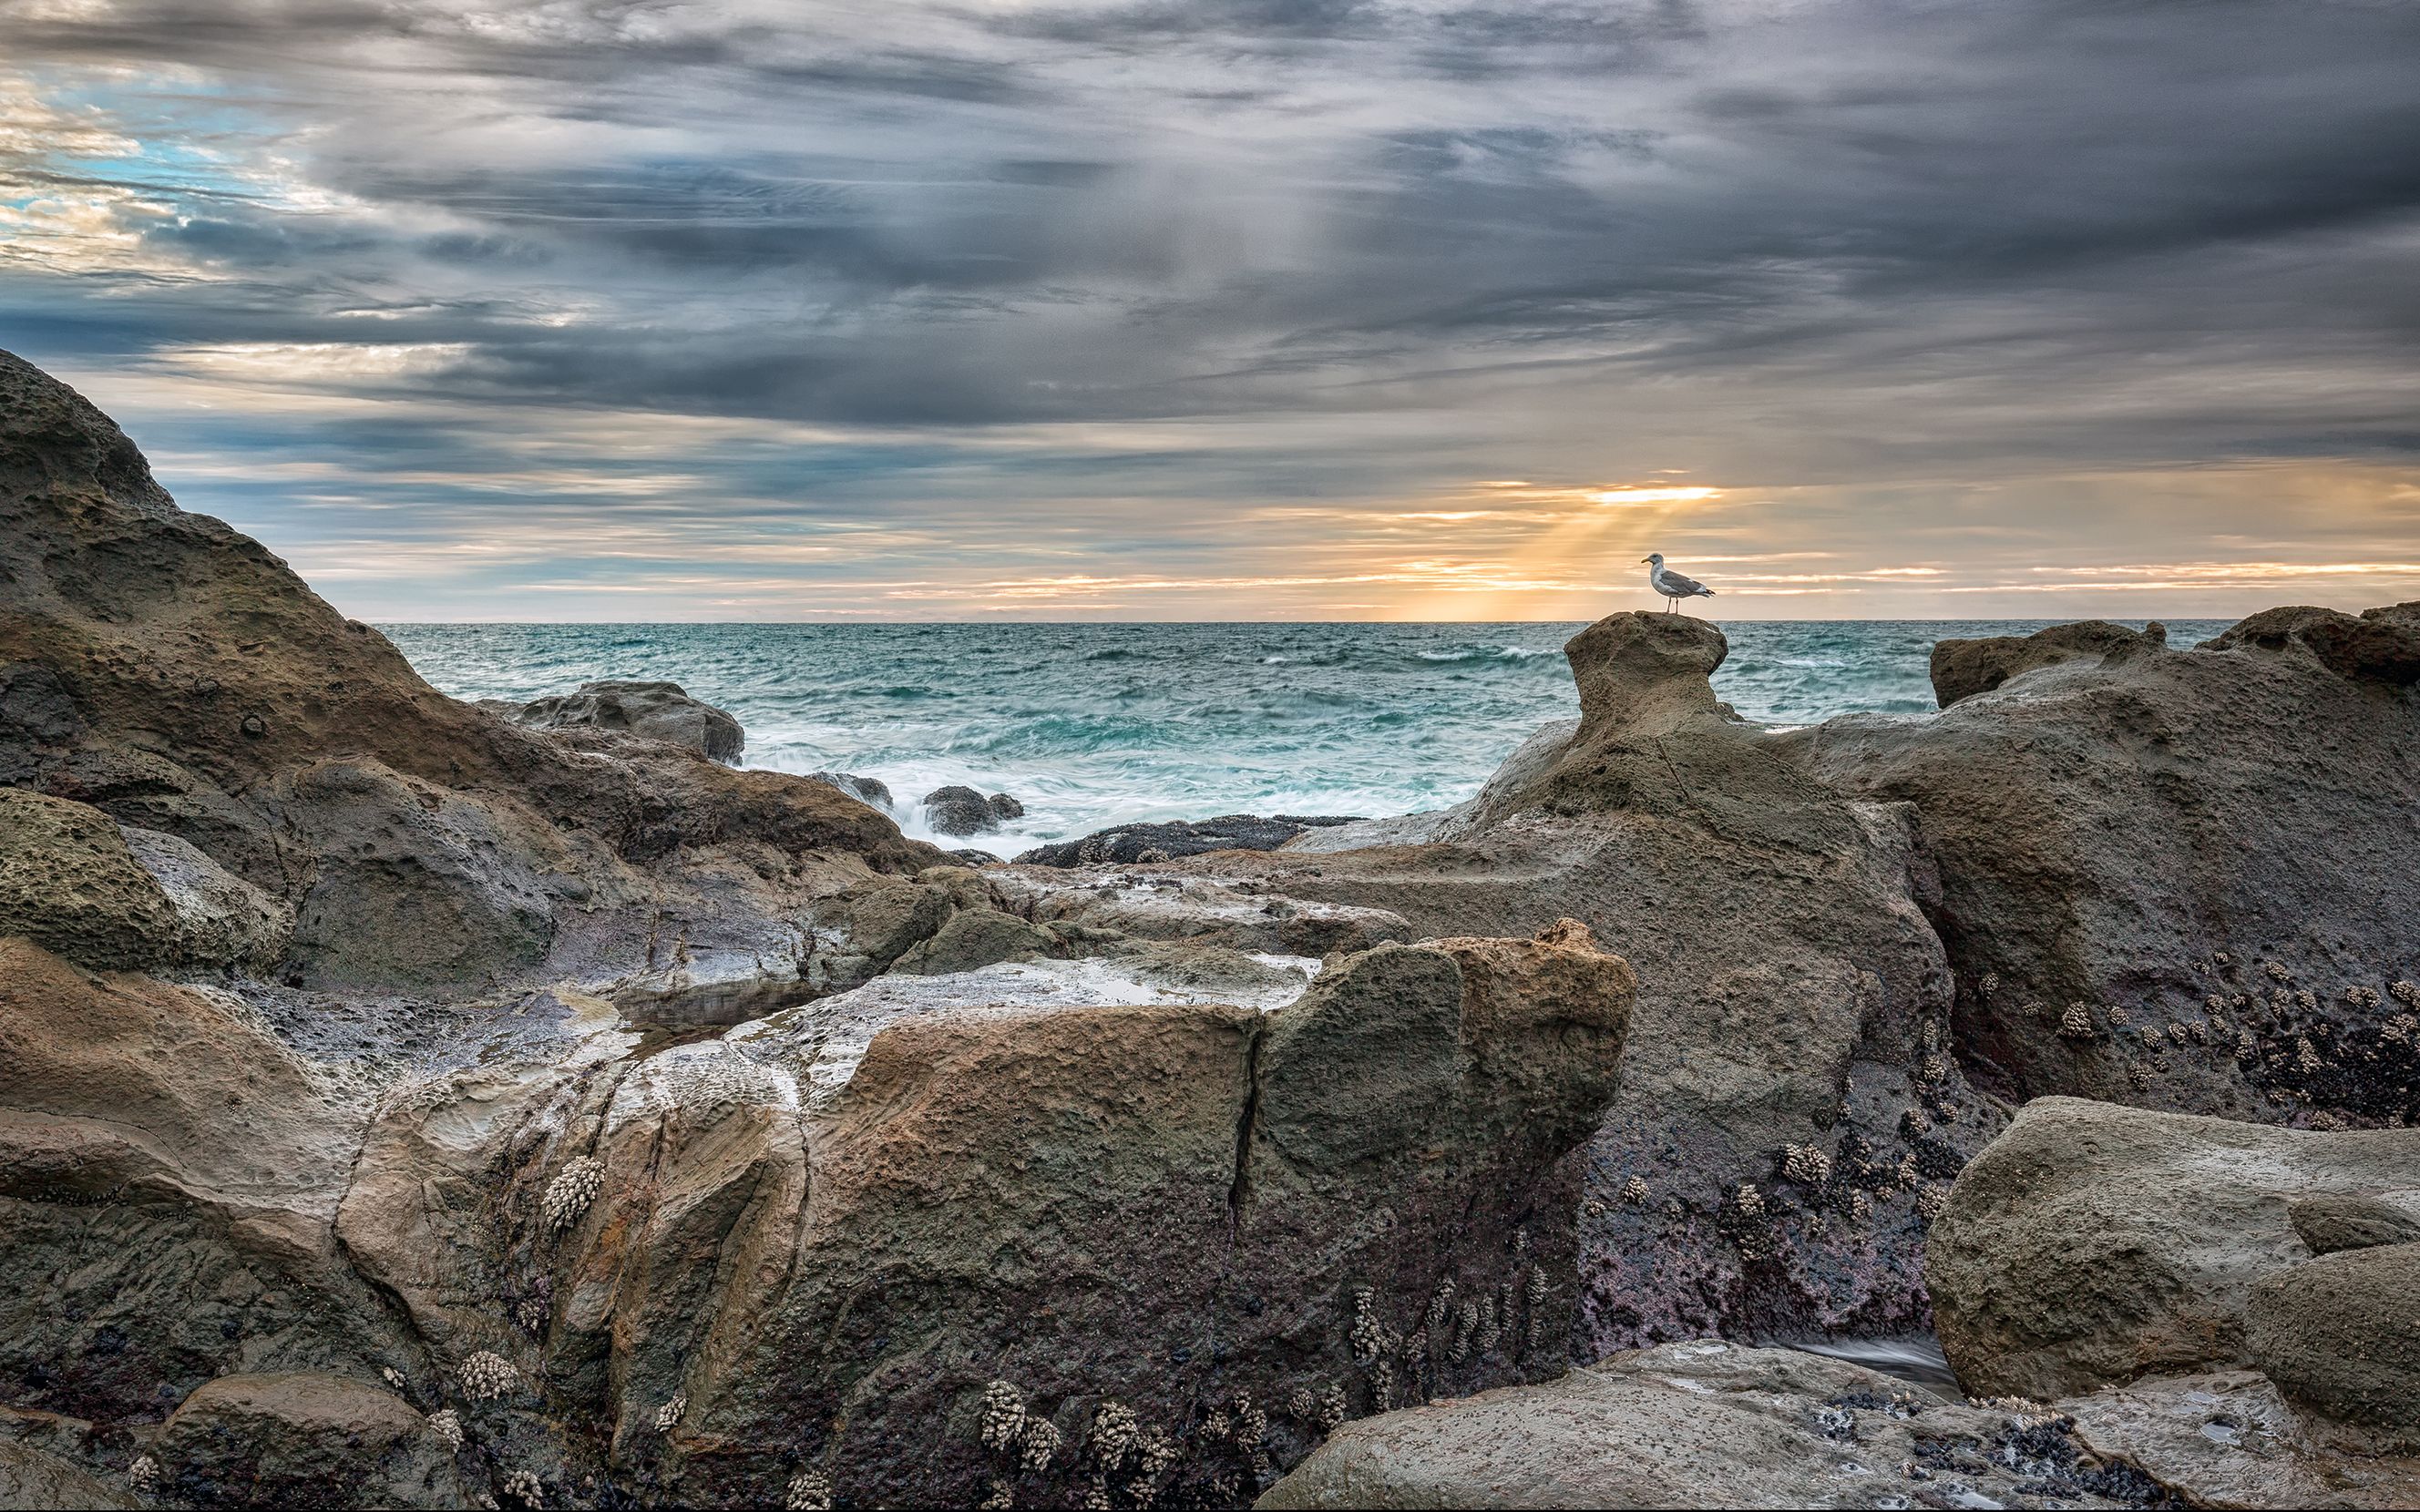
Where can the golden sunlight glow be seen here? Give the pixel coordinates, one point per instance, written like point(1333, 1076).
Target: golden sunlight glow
point(1651, 496)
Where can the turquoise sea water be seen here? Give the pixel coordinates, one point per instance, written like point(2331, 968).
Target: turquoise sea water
point(1091, 725)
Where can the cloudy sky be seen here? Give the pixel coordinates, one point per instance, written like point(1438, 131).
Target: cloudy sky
point(1198, 309)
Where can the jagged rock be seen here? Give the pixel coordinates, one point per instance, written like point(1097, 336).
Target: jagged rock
point(1961, 668)
point(1792, 995)
point(973, 938)
point(1706, 1424)
point(302, 1440)
point(655, 711)
point(2092, 1243)
point(1127, 843)
point(2340, 1334)
point(962, 811)
point(2196, 838)
point(2329, 1224)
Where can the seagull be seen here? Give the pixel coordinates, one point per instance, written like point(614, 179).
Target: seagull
point(1673, 585)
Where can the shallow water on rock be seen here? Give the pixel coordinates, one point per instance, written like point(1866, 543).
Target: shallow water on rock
point(1917, 1359)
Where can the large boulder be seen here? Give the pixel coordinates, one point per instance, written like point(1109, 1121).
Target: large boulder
point(653, 711)
point(2177, 878)
point(1789, 1109)
point(1961, 668)
point(2092, 1243)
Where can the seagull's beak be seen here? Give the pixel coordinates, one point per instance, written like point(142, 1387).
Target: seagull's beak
point(1646, 558)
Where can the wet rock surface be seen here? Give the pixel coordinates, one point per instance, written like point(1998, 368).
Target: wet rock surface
point(959, 812)
point(1168, 841)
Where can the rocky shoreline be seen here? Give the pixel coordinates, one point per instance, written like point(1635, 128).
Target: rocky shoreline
point(409, 1102)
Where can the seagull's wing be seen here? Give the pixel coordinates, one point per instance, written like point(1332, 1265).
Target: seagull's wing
point(1680, 586)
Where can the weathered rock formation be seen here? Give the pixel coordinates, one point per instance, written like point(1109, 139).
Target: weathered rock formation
point(2093, 1243)
point(651, 711)
point(1168, 841)
point(1961, 668)
point(1790, 1101)
point(2182, 879)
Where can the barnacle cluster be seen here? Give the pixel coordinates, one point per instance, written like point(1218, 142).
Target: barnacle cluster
point(1041, 1444)
point(523, 1486)
point(143, 1476)
point(486, 1376)
point(446, 1423)
point(669, 1416)
point(1004, 1417)
point(394, 1378)
point(1750, 1200)
point(570, 1192)
point(2405, 993)
point(533, 1310)
point(1491, 1327)
point(1441, 1300)
point(1931, 1202)
point(2360, 996)
point(1368, 1335)
point(811, 1491)
point(1807, 1164)
point(1634, 1191)
point(1115, 1434)
point(2077, 1023)
point(1465, 1330)
point(2307, 1060)
point(1327, 1413)
point(2276, 972)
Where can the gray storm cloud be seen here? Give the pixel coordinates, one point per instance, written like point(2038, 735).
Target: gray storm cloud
point(1190, 260)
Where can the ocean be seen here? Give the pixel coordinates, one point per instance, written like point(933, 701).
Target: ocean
point(1092, 725)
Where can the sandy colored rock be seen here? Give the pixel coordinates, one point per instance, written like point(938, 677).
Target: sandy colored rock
point(2341, 1334)
point(2093, 1243)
